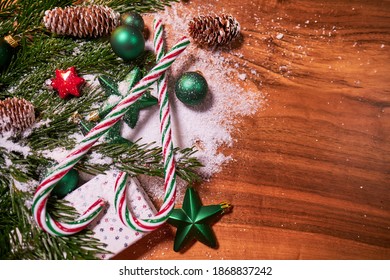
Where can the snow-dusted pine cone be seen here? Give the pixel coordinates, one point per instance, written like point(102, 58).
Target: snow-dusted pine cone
point(214, 30)
point(16, 114)
point(82, 21)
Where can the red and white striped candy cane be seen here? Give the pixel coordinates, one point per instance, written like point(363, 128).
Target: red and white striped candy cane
point(125, 215)
point(41, 216)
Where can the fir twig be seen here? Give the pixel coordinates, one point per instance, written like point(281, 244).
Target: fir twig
point(140, 6)
point(21, 239)
point(142, 159)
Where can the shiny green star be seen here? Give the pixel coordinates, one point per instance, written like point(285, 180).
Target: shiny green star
point(113, 135)
point(193, 220)
point(111, 88)
point(145, 101)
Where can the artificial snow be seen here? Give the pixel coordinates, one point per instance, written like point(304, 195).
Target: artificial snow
point(11, 146)
point(207, 126)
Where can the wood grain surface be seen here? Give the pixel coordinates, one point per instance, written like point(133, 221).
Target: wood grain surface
point(311, 173)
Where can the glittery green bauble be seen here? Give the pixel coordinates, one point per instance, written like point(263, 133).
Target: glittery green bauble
point(67, 184)
point(133, 19)
point(191, 88)
point(127, 42)
point(6, 52)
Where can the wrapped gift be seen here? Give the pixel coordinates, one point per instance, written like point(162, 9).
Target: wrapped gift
point(107, 227)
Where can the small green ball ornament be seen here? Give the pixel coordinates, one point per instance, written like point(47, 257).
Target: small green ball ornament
point(67, 184)
point(133, 19)
point(127, 42)
point(191, 88)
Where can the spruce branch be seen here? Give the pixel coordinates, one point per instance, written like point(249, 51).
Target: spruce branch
point(140, 6)
point(26, 15)
point(21, 239)
point(139, 159)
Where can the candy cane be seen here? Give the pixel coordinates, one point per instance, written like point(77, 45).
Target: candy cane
point(125, 215)
point(44, 219)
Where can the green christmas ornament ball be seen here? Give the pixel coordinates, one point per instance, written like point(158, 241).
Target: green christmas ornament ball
point(133, 19)
point(191, 88)
point(67, 184)
point(6, 53)
point(127, 42)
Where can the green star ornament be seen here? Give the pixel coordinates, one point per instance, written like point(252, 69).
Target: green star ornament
point(111, 88)
point(145, 101)
point(193, 220)
point(113, 135)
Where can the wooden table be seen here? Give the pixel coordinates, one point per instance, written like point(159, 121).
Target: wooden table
point(312, 170)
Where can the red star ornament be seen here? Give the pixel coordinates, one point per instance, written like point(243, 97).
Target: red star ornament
point(67, 82)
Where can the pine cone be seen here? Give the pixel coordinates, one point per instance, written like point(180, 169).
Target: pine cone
point(214, 30)
point(82, 21)
point(16, 114)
